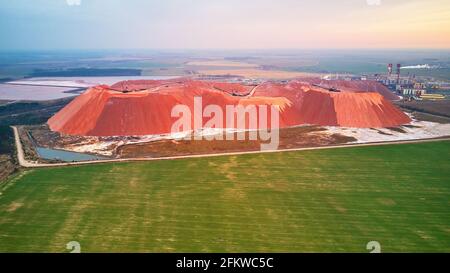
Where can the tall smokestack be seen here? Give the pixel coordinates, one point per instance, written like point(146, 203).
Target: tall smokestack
point(390, 69)
point(399, 66)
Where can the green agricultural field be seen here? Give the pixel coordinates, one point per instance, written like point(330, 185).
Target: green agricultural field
point(333, 200)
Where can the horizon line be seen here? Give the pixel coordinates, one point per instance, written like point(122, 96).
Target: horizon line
point(223, 49)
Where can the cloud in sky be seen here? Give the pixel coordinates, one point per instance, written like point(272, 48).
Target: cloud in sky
point(225, 24)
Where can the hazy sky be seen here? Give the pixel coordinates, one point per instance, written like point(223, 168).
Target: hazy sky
point(223, 24)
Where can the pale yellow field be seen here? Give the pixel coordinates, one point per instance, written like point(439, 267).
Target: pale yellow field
point(220, 63)
point(255, 73)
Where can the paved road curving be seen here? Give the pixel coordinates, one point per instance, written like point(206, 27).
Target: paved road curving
point(29, 164)
point(20, 156)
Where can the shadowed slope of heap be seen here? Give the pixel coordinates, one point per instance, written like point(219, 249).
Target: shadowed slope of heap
point(144, 107)
point(314, 105)
point(354, 86)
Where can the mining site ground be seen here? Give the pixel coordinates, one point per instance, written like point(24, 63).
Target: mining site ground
point(433, 111)
point(439, 107)
point(289, 138)
point(436, 108)
point(334, 200)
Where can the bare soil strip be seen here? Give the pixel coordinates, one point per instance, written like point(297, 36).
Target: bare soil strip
point(27, 164)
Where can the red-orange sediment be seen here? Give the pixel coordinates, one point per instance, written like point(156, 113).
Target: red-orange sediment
point(354, 86)
point(144, 107)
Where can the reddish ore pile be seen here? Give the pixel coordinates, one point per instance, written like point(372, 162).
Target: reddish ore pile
point(132, 108)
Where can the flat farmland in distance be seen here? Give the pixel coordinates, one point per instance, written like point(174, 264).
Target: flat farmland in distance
point(257, 73)
point(334, 200)
point(220, 63)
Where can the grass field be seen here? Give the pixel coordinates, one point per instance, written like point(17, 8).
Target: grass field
point(333, 200)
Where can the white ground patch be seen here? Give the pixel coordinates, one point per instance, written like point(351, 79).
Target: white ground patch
point(421, 130)
point(106, 146)
point(100, 147)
